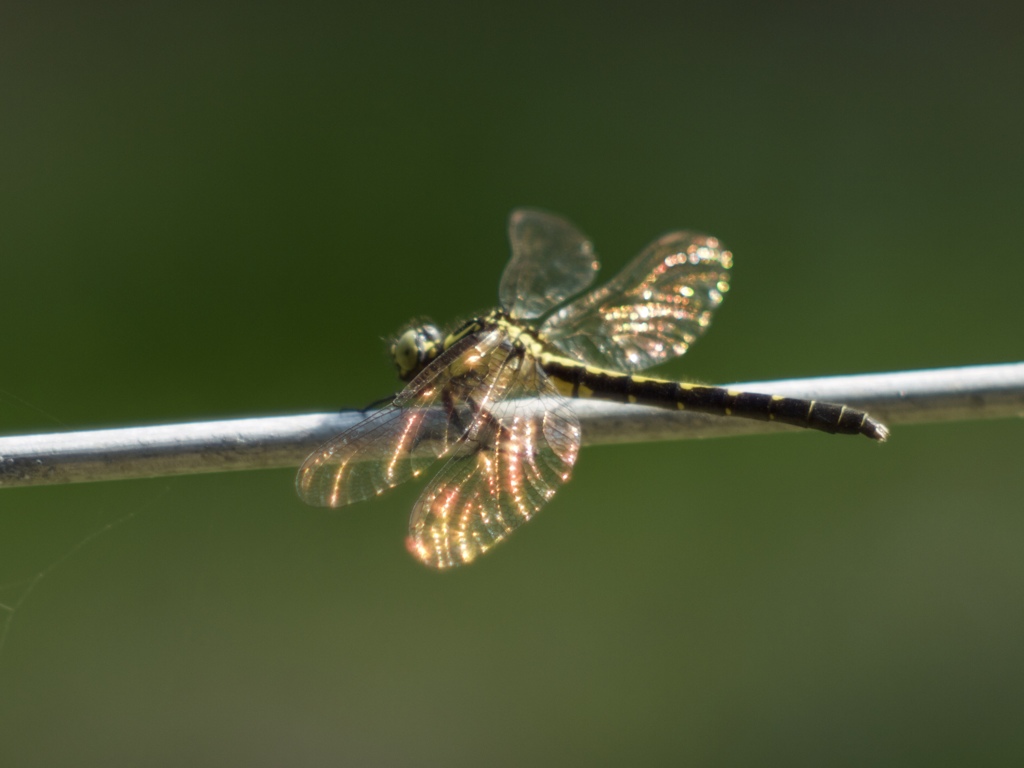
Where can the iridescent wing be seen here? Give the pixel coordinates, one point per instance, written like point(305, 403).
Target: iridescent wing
point(425, 422)
point(551, 262)
point(651, 311)
point(524, 450)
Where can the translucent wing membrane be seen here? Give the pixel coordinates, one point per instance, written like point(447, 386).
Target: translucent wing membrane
point(652, 311)
point(398, 442)
point(520, 452)
point(551, 262)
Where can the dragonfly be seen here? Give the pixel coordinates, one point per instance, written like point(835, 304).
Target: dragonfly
point(492, 397)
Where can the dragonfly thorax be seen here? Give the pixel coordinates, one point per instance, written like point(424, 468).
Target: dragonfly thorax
point(414, 348)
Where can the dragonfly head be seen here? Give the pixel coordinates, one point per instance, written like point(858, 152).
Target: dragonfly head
point(414, 348)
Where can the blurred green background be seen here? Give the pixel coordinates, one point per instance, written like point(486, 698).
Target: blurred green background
point(218, 210)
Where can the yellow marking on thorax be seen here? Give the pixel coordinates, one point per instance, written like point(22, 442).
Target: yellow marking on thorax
point(459, 334)
point(517, 334)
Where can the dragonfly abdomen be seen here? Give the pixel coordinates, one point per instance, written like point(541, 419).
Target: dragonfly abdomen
point(577, 380)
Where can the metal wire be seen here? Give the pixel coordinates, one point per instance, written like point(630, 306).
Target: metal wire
point(911, 397)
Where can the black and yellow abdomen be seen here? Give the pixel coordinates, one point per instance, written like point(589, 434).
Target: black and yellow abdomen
point(576, 380)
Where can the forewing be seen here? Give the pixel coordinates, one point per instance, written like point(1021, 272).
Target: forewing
point(650, 312)
point(524, 450)
point(396, 443)
point(551, 262)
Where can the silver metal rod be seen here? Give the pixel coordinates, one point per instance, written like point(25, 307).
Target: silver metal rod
point(950, 394)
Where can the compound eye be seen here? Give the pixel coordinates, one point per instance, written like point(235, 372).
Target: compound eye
point(431, 334)
point(406, 352)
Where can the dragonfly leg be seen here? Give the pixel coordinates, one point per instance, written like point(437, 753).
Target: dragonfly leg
point(379, 402)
